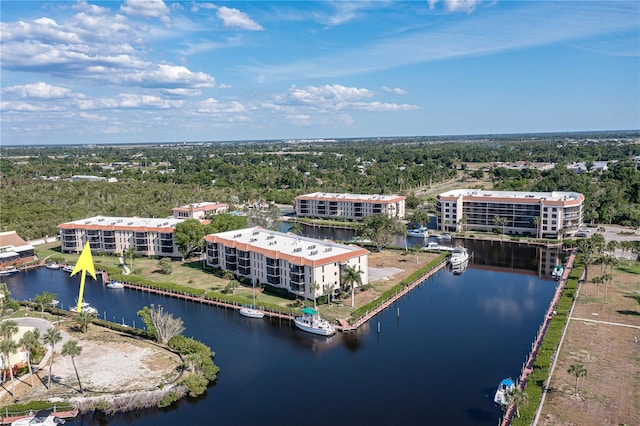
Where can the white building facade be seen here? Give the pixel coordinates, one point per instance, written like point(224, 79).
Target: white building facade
point(199, 210)
point(304, 266)
point(114, 235)
point(349, 206)
point(539, 214)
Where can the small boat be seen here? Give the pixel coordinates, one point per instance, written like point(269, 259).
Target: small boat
point(88, 308)
point(444, 237)
point(311, 322)
point(68, 268)
point(459, 255)
point(505, 386)
point(9, 270)
point(115, 284)
point(557, 272)
point(459, 268)
point(421, 232)
point(432, 245)
point(46, 418)
point(53, 265)
point(55, 302)
point(251, 311)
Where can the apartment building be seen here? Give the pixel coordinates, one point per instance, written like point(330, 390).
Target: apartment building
point(349, 206)
point(541, 214)
point(115, 235)
point(14, 251)
point(199, 210)
point(285, 260)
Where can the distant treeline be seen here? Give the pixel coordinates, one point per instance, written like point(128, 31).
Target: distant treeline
point(154, 178)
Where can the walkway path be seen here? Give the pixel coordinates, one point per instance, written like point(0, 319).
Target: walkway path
point(618, 324)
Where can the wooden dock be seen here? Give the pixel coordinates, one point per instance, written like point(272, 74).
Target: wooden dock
point(7, 420)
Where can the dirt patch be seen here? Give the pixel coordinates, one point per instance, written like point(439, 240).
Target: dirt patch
point(110, 363)
point(610, 394)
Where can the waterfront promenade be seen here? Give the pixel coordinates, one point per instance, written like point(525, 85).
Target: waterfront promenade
point(528, 365)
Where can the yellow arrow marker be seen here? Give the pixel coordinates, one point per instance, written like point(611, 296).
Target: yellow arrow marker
point(84, 264)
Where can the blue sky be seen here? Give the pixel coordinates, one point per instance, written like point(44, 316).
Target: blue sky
point(153, 71)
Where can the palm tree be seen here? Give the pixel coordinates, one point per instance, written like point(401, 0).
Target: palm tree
point(597, 281)
point(51, 337)
point(314, 287)
point(295, 228)
point(30, 342)
point(517, 397)
point(500, 221)
point(83, 319)
point(7, 330)
point(351, 276)
point(577, 370)
point(328, 289)
point(536, 222)
point(463, 221)
point(7, 348)
point(72, 349)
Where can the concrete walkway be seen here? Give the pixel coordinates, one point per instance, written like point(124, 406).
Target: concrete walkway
point(618, 324)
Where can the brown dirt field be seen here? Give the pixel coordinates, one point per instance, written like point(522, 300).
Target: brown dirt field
point(110, 363)
point(610, 394)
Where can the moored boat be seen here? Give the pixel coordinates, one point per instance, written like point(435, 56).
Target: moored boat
point(557, 272)
point(459, 255)
point(52, 265)
point(311, 322)
point(251, 312)
point(433, 245)
point(41, 419)
point(115, 284)
point(9, 270)
point(505, 386)
point(421, 232)
point(68, 268)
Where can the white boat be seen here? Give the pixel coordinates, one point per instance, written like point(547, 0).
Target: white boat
point(9, 270)
point(311, 322)
point(251, 311)
point(459, 268)
point(459, 255)
point(433, 245)
point(44, 419)
point(115, 284)
point(444, 237)
point(557, 272)
point(421, 232)
point(84, 307)
point(68, 268)
point(53, 265)
point(505, 386)
point(55, 302)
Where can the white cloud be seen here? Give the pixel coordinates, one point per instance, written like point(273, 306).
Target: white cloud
point(396, 90)
point(456, 5)
point(145, 8)
point(39, 90)
point(328, 93)
point(129, 101)
point(213, 106)
point(382, 107)
point(233, 18)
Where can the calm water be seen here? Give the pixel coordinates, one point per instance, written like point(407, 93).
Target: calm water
point(438, 362)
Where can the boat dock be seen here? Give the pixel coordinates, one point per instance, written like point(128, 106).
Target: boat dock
point(7, 420)
point(537, 344)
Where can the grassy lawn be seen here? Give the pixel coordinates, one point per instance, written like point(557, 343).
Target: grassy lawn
point(190, 273)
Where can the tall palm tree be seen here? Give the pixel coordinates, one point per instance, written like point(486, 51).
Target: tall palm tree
point(328, 290)
point(30, 342)
point(517, 397)
point(536, 222)
point(7, 348)
point(597, 281)
point(577, 370)
point(51, 337)
point(352, 276)
point(500, 221)
point(314, 287)
point(72, 349)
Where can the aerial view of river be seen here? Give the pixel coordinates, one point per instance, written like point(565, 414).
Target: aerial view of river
point(435, 357)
